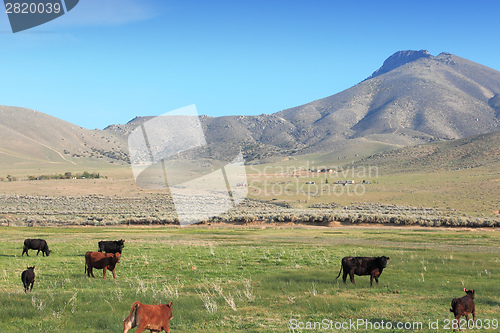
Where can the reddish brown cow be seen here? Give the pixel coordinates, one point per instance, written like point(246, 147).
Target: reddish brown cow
point(148, 317)
point(101, 261)
point(464, 306)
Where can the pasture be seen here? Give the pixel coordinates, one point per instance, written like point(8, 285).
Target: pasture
point(256, 278)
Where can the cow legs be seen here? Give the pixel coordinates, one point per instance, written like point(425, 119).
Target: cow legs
point(371, 280)
point(351, 277)
point(25, 250)
point(141, 327)
point(126, 326)
point(458, 323)
point(31, 287)
point(104, 272)
point(113, 271)
point(344, 276)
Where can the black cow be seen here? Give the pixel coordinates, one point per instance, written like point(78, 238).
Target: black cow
point(111, 246)
point(372, 266)
point(28, 278)
point(36, 244)
point(464, 306)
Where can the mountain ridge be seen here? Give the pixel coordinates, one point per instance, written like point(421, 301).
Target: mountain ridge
point(398, 59)
point(413, 98)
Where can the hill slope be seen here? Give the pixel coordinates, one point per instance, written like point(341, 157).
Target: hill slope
point(476, 151)
point(29, 137)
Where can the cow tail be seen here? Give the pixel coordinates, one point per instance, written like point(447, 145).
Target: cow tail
point(132, 317)
point(341, 266)
point(453, 303)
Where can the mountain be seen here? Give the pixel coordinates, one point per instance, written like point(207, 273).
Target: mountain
point(429, 98)
point(29, 137)
point(413, 98)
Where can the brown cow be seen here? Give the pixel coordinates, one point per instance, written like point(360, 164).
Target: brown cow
point(101, 261)
point(464, 306)
point(150, 317)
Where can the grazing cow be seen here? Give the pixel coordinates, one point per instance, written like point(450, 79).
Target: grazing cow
point(111, 246)
point(154, 318)
point(36, 244)
point(372, 266)
point(102, 261)
point(28, 278)
point(464, 306)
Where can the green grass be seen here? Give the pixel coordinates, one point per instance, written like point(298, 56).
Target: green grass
point(246, 280)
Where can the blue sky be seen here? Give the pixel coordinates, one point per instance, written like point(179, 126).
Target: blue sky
point(107, 61)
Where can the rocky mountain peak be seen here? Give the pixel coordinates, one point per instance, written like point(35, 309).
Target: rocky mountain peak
point(398, 59)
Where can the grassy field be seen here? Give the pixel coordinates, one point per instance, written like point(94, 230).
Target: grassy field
point(248, 279)
point(472, 192)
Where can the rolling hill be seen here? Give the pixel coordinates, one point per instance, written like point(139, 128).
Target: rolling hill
point(31, 139)
point(472, 152)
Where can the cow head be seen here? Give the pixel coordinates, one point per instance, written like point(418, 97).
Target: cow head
point(469, 292)
point(169, 311)
point(117, 256)
point(383, 261)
